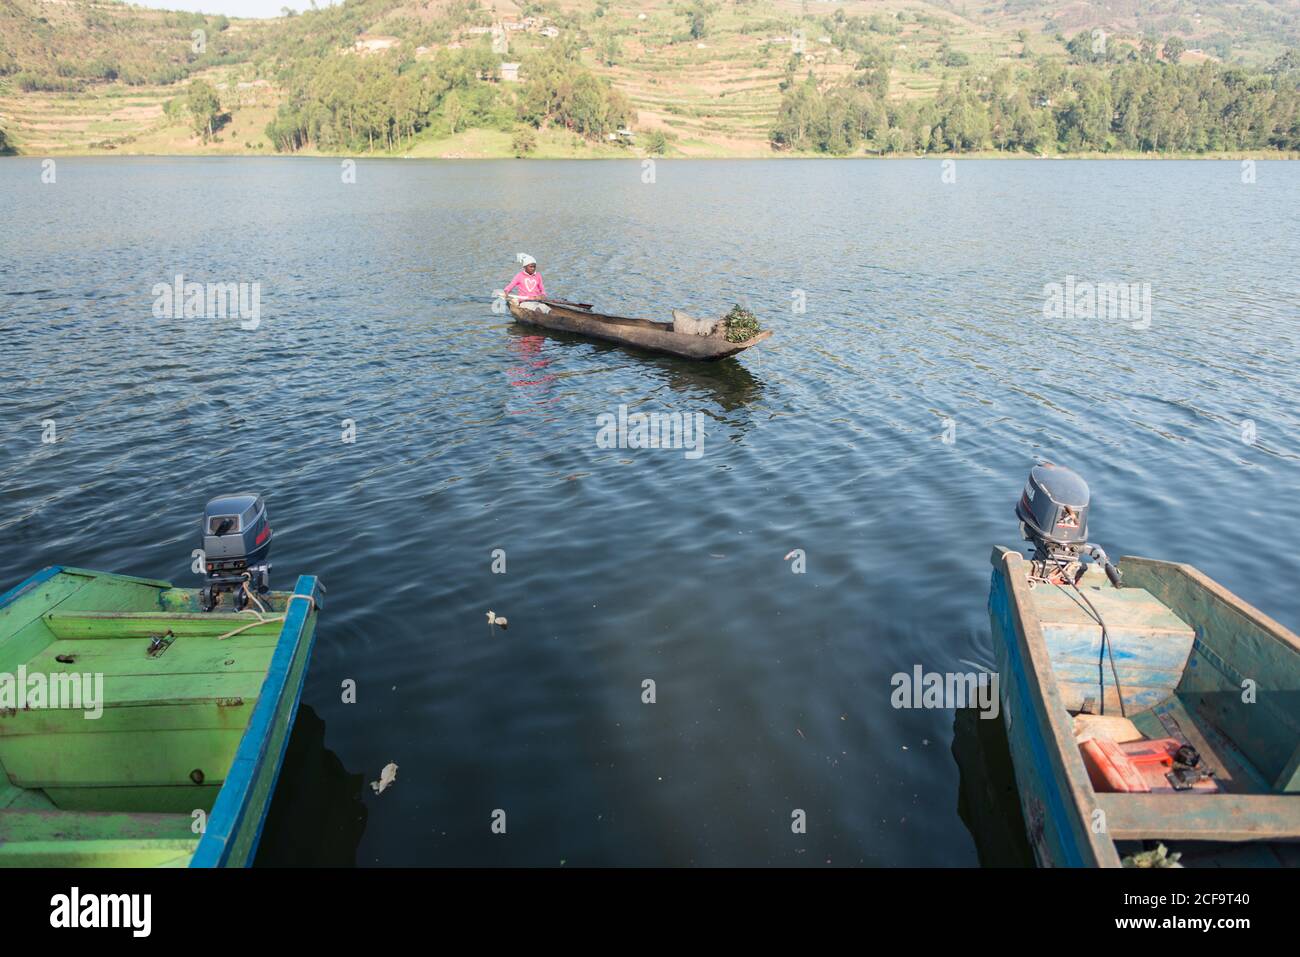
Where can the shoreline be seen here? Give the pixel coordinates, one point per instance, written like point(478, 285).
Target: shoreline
point(1236, 155)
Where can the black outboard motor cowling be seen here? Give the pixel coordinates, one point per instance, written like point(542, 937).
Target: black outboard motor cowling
point(1054, 510)
point(236, 548)
point(1053, 513)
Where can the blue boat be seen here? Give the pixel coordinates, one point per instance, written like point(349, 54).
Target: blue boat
point(1152, 715)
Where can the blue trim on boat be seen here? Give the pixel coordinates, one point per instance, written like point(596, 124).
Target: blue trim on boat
point(231, 807)
point(294, 702)
point(1034, 734)
point(44, 575)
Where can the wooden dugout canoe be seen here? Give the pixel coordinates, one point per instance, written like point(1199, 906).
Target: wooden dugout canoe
point(200, 726)
point(641, 333)
point(1183, 647)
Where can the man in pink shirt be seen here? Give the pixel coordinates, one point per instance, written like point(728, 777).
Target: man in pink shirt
point(527, 281)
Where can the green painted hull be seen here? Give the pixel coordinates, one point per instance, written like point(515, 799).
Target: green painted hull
point(167, 758)
point(1194, 662)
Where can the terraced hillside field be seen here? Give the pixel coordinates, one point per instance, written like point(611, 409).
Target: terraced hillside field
point(114, 117)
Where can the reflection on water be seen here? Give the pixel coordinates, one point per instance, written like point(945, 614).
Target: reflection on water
point(316, 817)
point(727, 384)
point(988, 801)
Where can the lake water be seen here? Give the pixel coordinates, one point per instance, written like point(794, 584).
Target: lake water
point(886, 431)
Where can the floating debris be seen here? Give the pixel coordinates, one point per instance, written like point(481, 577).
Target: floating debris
point(495, 620)
point(386, 777)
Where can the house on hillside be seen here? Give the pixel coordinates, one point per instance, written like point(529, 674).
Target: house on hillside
point(510, 72)
point(374, 43)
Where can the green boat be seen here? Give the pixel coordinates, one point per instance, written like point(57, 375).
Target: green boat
point(195, 710)
point(1152, 715)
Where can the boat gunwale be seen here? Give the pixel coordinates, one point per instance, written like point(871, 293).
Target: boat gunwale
point(1036, 682)
point(30, 582)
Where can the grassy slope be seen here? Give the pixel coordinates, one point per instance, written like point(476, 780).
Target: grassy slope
point(716, 97)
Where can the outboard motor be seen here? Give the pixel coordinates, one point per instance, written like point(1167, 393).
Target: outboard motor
point(1053, 513)
point(236, 546)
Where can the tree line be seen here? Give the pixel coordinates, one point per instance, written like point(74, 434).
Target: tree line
point(1139, 104)
point(341, 102)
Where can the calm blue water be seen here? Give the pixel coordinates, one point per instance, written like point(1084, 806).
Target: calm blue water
point(924, 304)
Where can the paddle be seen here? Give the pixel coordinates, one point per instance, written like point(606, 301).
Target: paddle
point(572, 305)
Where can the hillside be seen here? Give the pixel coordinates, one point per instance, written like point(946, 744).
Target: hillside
point(690, 78)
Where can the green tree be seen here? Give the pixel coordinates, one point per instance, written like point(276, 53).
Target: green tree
point(561, 90)
point(697, 17)
point(524, 141)
point(798, 116)
point(1079, 47)
point(204, 108)
point(453, 112)
point(1085, 123)
point(1174, 49)
point(656, 143)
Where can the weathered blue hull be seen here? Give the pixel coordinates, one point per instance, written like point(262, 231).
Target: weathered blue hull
point(1053, 812)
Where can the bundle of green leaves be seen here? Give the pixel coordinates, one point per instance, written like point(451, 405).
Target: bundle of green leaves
point(741, 324)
